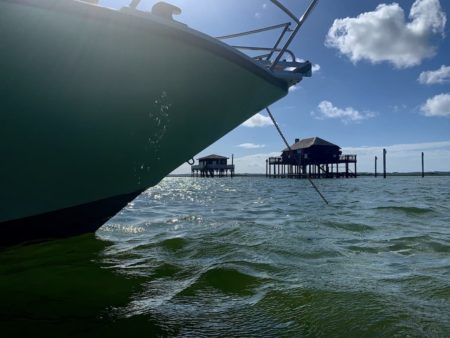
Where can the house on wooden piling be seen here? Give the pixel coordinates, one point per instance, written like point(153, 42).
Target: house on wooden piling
point(213, 165)
point(312, 158)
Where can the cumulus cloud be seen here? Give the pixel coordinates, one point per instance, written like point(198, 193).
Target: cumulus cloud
point(250, 145)
point(386, 35)
point(328, 111)
point(258, 120)
point(438, 105)
point(442, 75)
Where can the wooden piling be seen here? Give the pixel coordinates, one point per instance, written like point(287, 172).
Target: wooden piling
point(423, 165)
point(384, 163)
point(376, 159)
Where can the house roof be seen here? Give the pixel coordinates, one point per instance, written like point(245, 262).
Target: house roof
point(309, 142)
point(213, 157)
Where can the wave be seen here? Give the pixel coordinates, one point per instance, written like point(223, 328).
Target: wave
point(225, 280)
point(316, 312)
point(350, 226)
point(174, 244)
point(409, 245)
point(406, 210)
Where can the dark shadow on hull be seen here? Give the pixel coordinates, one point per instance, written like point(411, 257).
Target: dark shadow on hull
point(63, 223)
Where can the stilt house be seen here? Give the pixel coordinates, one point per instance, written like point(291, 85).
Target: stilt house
point(311, 158)
point(213, 165)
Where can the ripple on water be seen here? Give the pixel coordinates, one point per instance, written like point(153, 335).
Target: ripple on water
point(410, 211)
point(349, 226)
point(407, 245)
point(174, 244)
point(426, 290)
point(418, 244)
point(344, 312)
point(370, 249)
point(225, 280)
point(166, 270)
point(439, 246)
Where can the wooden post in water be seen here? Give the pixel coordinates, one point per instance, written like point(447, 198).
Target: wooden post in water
point(384, 163)
point(423, 165)
point(231, 170)
point(376, 159)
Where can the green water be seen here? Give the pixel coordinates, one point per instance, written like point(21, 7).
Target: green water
point(245, 257)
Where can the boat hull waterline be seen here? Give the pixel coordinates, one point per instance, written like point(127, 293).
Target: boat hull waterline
point(97, 105)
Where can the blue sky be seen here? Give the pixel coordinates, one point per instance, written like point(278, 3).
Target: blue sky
point(382, 79)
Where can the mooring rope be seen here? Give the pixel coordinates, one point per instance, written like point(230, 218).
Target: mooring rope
point(292, 152)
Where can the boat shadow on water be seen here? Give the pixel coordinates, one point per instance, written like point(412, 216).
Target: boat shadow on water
point(64, 288)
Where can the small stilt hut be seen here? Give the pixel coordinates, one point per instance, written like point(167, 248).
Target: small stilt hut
point(312, 158)
point(213, 165)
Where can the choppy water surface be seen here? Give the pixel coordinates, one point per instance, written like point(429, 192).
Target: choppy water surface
point(247, 257)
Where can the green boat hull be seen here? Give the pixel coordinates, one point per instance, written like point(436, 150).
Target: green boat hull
point(97, 105)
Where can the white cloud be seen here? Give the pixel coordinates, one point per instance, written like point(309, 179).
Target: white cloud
point(385, 35)
point(442, 75)
point(250, 145)
point(253, 164)
point(258, 15)
point(398, 107)
point(403, 157)
point(258, 120)
point(438, 105)
point(346, 115)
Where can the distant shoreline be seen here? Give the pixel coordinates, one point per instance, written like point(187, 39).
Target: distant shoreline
point(362, 174)
point(417, 173)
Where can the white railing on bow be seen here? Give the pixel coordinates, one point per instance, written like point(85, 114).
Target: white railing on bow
point(286, 28)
